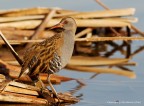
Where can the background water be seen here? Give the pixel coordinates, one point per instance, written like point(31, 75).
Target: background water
point(104, 89)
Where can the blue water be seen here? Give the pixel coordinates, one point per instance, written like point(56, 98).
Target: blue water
point(104, 89)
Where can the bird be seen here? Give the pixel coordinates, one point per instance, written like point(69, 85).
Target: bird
point(52, 54)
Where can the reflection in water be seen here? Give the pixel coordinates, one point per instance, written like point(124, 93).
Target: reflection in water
point(94, 75)
point(77, 88)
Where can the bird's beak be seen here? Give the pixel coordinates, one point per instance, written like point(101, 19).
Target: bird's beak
point(60, 25)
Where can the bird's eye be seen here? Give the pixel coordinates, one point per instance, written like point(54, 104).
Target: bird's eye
point(65, 22)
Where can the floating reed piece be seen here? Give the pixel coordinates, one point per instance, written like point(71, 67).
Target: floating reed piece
point(95, 61)
point(96, 31)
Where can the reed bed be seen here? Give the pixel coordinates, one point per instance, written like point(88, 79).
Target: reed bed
point(97, 30)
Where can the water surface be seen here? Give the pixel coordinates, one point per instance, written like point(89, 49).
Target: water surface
point(104, 89)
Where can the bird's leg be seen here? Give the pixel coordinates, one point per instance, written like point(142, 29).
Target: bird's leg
point(38, 83)
point(42, 84)
point(51, 86)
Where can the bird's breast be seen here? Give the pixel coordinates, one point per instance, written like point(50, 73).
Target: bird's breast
point(67, 48)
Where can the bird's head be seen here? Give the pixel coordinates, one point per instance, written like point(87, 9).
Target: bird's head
point(66, 24)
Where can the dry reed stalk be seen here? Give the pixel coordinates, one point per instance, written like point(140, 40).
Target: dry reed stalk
point(11, 49)
point(137, 30)
point(20, 41)
point(12, 62)
point(24, 11)
point(16, 94)
point(124, 68)
point(140, 49)
point(16, 34)
point(133, 27)
point(96, 39)
point(102, 70)
point(43, 24)
point(92, 61)
point(106, 13)
point(19, 98)
point(25, 86)
point(20, 90)
point(31, 24)
point(92, 39)
point(39, 17)
point(21, 18)
point(42, 10)
point(126, 64)
point(89, 35)
point(83, 32)
point(106, 8)
point(129, 19)
point(116, 47)
point(32, 17)
point(120, 64)
point(71, 13)
point(31, 11)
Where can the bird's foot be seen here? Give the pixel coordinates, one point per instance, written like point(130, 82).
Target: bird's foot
point(45, 91)
point(57, 99)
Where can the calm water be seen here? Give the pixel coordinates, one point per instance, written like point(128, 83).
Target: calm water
point(104, 89)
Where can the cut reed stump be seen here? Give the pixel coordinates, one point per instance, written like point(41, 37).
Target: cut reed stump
point(17, 92)
point(22, 93)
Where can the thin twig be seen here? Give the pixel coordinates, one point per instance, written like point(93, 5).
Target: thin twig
point(11, 49)
point(124, 68)
point(94, 75)
point(101, 4)
point(108, 54)
point(43, 24)
point(137, 30)
point(137, 51)
point(115, 45)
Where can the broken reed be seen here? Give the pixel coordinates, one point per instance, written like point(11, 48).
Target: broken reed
point(30, 25)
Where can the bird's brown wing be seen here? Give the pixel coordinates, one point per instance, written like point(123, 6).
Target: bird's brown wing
point(29, 59)
point(42, 58)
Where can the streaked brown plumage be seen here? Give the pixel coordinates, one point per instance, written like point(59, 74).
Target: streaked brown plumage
point(53, 53)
